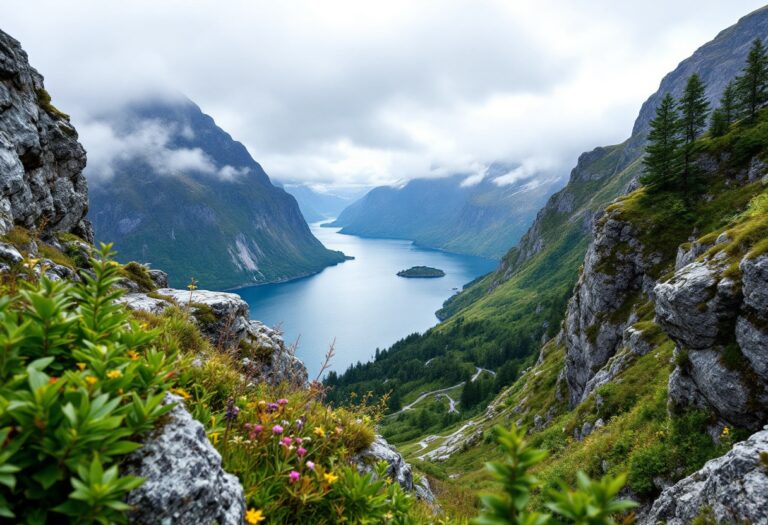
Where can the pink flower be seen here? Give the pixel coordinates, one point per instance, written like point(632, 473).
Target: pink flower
point(311, 465)
point(282, 402)
point(301, 451)
point(294, 476)
point(287, 441)
point(277, 429)
point(257, 428)
point(299, 441)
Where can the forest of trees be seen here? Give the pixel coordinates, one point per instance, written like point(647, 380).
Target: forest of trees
point(672, 141)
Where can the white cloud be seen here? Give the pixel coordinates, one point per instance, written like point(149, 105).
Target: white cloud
point(351, 92)
point(148, 141)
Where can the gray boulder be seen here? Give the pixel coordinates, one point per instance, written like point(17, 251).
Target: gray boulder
point(733, 488)
point(41, 161)
point(397, 469)
point(185, 483)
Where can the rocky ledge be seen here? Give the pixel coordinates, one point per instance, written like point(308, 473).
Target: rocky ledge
point(223, 319)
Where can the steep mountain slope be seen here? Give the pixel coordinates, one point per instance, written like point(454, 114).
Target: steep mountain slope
point(454, 213)
point(179, 183)
point(504, 317)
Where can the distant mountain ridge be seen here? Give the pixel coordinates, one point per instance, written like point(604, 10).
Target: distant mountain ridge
point(457, 213)
point(183, 195)
point(315, 205)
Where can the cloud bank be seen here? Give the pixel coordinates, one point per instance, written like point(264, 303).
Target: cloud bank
point(345, 93)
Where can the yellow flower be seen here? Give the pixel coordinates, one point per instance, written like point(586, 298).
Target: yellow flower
point(214, 437)
point(81, 366)
point(114, 374)
point(330, 477)
point(133, 354)
point(726, 431)
point(91, 380)
point(319, 432)
point(254, 516)
point(181, 392)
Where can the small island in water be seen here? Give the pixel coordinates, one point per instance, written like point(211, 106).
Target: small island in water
point(421, 272)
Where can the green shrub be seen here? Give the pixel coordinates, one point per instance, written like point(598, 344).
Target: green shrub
point(79, 383)
point(138, 273)
point(592, 502)
point(645, 464)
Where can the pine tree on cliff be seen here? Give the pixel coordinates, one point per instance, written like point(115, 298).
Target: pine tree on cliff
point(693, 118)
point(662, 154)
point(726, 114)
point(752, 85)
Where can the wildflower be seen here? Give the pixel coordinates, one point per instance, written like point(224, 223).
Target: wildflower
point(52, 380)
point(214, 437)
point(254, 516)
point(133, 354)
point(294, 476)
point(319, 432)
point(81, 366)
point(282, 402)
point(192, 285)
point(232, 410)
point(338, 431)
point(114, 374)
point(272, 407)
point(311, 465)
point(301, 451)
point(181, 392)
point(255, 430)
point(236, 440)
point(300, 423)
point(726, 432)
point(277, 429)
point(330, 477)
point(91, 380)
point(298, 441)
point(287, 442)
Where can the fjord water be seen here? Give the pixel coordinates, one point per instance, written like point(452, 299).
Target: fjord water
point(360, 303)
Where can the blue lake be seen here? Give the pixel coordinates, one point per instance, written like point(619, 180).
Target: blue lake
point(361, 304)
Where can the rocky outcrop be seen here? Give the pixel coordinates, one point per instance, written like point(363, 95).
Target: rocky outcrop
point(397, 469)
point(614, 271)
point(720, 324)
point(223, 318)
point(730, 489)
point(185, 482)
point(41, 161)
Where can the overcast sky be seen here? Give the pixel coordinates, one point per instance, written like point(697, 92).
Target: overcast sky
point(368, 93)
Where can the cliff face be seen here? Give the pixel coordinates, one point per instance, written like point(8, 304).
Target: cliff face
point(41, 162)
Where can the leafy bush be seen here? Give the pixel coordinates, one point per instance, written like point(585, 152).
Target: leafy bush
point(592, 502)
point(646, 464)
point(79, 382)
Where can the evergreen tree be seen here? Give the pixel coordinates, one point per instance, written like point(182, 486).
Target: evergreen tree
point(728, 103)
point(752, 85)
point(662, 154)
point(726, 114)
point(693, 118)
point(719, 125)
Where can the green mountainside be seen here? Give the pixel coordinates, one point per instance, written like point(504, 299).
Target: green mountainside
point(198, 205)
point(456, 213)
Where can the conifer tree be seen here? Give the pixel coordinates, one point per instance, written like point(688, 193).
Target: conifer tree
point(752, 85)
point(726, 114)
point(662, 154)
point(693, 118)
